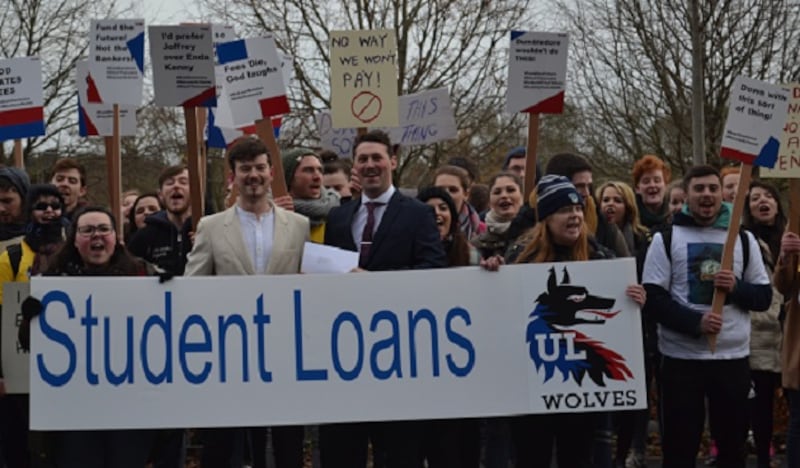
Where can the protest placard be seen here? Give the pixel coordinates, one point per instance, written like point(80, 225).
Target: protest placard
point(14, 359)
point(756, 116)
point(98, 119)
point(252, 81)
point(116, 62)
point(21, 101)
point(183, 65)
point(425, 117)
point(364, 79)
point(788, 163)
point(537, 72)
point(262, 352)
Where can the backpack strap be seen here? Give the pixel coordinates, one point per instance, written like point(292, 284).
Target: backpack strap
point(15, 257)
point(745, 248)
point(666, 237)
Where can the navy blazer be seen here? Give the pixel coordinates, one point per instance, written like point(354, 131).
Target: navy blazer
point(407, 237)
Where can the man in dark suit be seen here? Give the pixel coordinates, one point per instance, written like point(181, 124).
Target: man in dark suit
point(391, 232)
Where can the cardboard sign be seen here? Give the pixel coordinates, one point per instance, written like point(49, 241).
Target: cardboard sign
point(788, 164)
point(98, 119)
point(252, 81)
point(537, 72)
point(15, 360)
point(364, 79)
point(133, 353)
point(21, 101)
point(183, 65)
point(116, 62)
point(756, 114)
point(425, 118)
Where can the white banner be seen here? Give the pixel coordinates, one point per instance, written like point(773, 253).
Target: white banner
point(14, 359)
point(301, 349)
point(116, 61)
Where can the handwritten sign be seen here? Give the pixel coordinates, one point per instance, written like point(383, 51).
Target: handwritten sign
point(21, 101)
point(537, 72)
point(425, 118)
point(788, 164)
point(98, 119)
point(141, 354)
point(756, 115)
point(364, 79)
point(183, 65)
point(252, 81)
point(15, 360)
point(116, 61)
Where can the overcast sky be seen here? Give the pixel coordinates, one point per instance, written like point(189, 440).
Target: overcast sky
point(165, 11)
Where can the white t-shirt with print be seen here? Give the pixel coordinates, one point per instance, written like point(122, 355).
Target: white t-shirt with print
point(696, 255)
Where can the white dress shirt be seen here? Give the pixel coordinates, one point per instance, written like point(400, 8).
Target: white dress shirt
point(257, 233)
point(360, 219)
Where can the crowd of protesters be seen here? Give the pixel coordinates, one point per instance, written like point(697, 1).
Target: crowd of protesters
point(674, 229)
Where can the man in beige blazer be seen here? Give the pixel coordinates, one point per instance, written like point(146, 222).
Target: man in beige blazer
point(253, 237)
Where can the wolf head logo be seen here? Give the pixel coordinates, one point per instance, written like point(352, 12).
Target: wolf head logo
point(555, 346)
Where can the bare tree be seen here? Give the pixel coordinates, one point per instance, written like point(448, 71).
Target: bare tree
point(458, 44)
point(634, 65)
point(55, 31)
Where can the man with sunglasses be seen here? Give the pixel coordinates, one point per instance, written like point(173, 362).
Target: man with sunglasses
point(44, 234)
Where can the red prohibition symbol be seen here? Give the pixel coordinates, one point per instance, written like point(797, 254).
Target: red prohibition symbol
point(366, 106)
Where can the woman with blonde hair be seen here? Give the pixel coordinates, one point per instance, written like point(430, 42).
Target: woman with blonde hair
point(618, 205)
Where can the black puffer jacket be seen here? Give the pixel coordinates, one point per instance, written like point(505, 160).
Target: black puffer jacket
point(162, 244)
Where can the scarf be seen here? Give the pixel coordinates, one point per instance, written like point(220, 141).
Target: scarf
point(650, 219)
point(316, 210)
point(470, 222)
point(495, 225)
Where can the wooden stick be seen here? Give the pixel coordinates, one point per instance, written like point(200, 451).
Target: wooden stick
point(266, 132)
point(108, 142)
point(192, 163)
point(794, 205)
point(745, 173)
point(116, 175)
point(201, 127)
point(530, 156)
point(19, 160)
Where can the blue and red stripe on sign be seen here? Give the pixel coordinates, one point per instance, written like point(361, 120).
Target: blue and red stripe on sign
point(22, 123)
point(276, 105)
point(231, 51)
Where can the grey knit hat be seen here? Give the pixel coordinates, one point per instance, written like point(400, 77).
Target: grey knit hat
point(18, 179)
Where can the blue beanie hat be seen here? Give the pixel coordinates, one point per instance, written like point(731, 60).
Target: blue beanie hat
point(554, 192)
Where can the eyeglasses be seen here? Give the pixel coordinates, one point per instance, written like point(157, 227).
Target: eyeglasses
point(101, 229)
point(42, 206)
